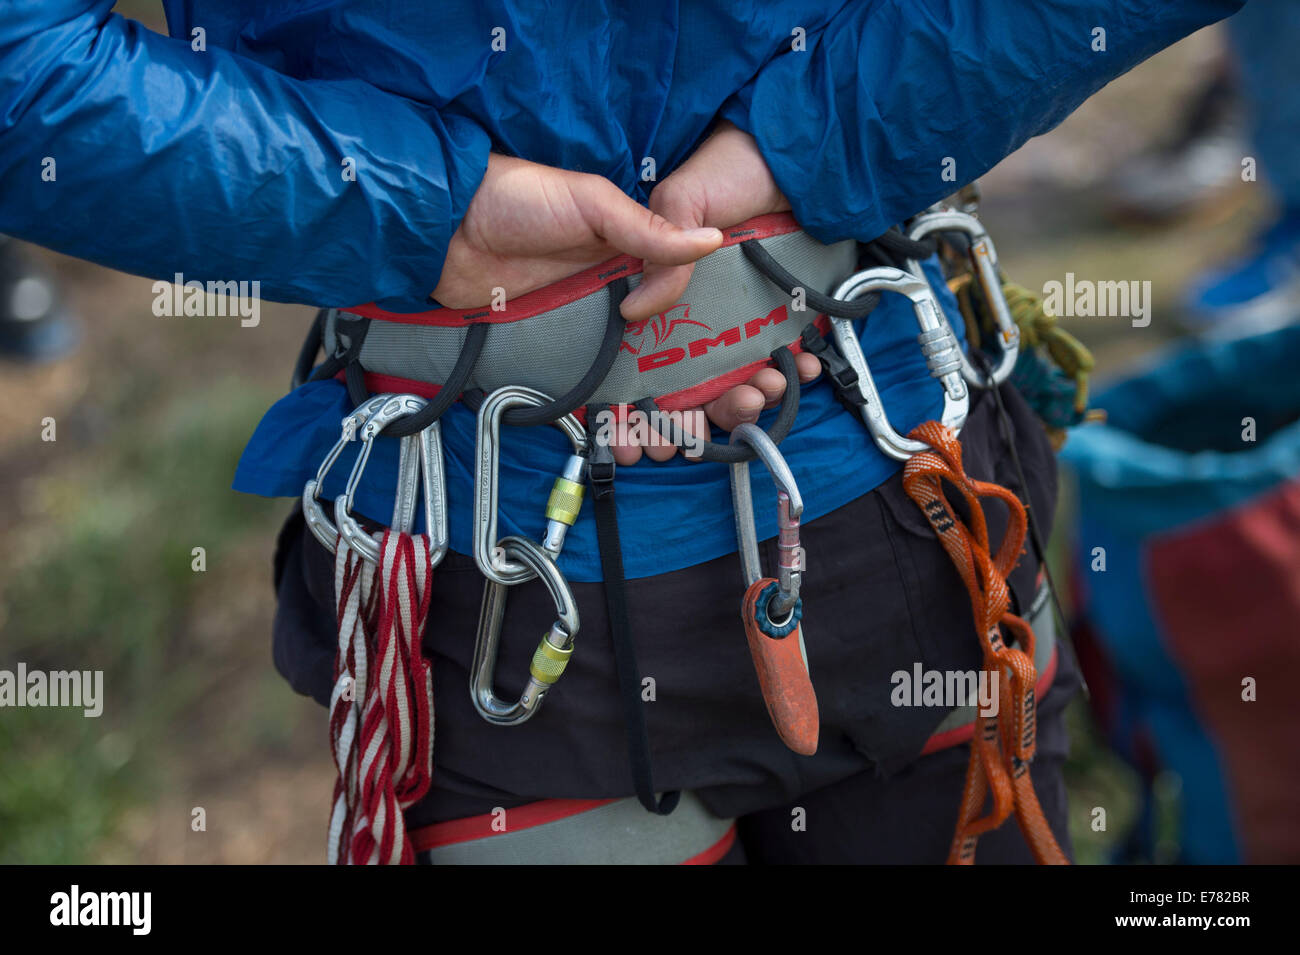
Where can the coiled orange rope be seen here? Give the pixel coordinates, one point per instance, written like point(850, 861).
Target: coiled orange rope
point(1003, 745)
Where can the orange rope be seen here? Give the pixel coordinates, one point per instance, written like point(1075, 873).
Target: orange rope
point(1003, 745)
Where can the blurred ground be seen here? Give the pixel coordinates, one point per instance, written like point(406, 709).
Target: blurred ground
point(152, 414)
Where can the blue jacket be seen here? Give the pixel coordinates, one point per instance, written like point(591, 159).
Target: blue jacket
point(239, 125)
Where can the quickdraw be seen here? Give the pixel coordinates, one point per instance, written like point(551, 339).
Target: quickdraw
point(381, 707)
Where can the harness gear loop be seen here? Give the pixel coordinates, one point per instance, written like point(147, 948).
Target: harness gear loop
point(1003, 746)
point(566, 495)
point(937, 341)
point(705, 450)
point(771, 608)
point(552, 653)
point(984, 265)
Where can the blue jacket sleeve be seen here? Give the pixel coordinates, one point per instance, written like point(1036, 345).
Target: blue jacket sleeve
point(857, 128)
point(133, 150)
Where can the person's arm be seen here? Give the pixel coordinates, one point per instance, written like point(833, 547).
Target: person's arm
point(860, 127)
point(132, 150)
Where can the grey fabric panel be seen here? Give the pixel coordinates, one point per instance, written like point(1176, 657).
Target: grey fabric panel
point(713, 331)
point(618, 833)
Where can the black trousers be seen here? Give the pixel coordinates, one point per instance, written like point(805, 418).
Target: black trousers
point(880, 595)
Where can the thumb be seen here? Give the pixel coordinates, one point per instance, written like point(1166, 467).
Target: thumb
point(675, 199)
point(630, 227)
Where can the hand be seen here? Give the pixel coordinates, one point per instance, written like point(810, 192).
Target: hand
point(529, 225)
point(724, 182)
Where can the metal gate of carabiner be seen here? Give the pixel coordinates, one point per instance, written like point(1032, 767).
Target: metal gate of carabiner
point(943, 357)
point(420, 456)
point(318, 523)
point(552, 653)
point(984, 263)
point(772, 610)
point(566, 494)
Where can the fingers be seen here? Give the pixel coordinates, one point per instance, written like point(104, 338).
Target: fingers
point(632, 228)
point(746, 402)
point(661, 288)
point(808, 367)
point(635, 436)
point(742, 404)
point(679, 200)
point(637, 231)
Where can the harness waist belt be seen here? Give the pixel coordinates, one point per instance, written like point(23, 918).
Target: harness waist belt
point(580, 832)
point(726, 326)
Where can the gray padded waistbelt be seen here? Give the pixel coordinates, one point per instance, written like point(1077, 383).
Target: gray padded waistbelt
point(618, 833)
point(730, 318)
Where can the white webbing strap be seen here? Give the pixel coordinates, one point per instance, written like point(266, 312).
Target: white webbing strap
point(381, 720)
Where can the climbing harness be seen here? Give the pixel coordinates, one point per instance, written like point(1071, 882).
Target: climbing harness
point(569, 340)
point(771, 609)
point(580, 832)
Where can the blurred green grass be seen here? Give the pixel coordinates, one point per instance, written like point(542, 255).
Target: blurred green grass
point(102, 580)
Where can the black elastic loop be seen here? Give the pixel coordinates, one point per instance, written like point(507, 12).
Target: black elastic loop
point(600, 477)
point(355, 378)
point(580, 393)
point(310, 346)
point(450, 390)
point(333, 364)
point(900, 247)
point(825, 304)
point(735, 453)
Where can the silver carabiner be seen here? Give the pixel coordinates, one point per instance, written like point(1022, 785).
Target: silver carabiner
point(419, 455)
point(937, 342)
point(319, 524)
point(789, 508)
point(566, 495)
point(984, 262)
point(552, 653)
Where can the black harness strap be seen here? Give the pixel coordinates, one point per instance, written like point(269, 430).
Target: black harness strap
point(610, 344)
point(707, 450)
point(600, 478)
point(450, 390)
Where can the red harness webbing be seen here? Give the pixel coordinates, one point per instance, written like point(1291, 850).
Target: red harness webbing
point(1001, 746)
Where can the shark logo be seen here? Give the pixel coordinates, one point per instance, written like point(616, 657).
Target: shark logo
point(661, 326)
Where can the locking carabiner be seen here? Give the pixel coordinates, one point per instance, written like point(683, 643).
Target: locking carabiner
point(566, 494)
point(772, 610)
point(552, 653)
point(984, 264)
point(937, 343)
point(419, 455)
point(320, 525)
